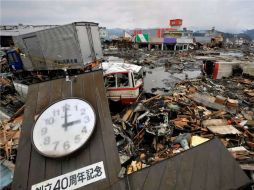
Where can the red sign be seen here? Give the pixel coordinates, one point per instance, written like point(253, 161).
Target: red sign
point(161, 31)
point(176, 22)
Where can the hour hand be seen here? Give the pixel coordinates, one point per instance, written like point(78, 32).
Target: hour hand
point(66, 125)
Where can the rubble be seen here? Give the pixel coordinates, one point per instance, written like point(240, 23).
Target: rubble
point(157, 127)
point(9, 135)
point(10, 101)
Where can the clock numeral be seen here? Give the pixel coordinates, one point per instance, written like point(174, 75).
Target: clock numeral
point(46, 141)
point(66, 145)
point(49, 121)
point(56, 143)
point(56, 112)
point(76, 107)
point(44, 131)
point(84, 130)
point(83, 111)
point(77, 139)
point(87, 119)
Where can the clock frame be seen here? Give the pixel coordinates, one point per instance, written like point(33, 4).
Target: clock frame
point(80, 146)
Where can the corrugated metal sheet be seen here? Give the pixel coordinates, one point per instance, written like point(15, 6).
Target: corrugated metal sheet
point(169, 40)
point(35, 52)
point(60, 46)
point(85, 47)
point(96, 42)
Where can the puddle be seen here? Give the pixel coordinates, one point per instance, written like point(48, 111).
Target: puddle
point(158, 77)
point(232, 53)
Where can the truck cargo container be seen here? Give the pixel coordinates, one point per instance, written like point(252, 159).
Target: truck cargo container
point(72, 46)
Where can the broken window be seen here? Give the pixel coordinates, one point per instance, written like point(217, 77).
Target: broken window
point(122, 80)
point(110, 81)
point(138, 76)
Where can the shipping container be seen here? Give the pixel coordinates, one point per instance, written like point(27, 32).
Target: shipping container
point(71, 46)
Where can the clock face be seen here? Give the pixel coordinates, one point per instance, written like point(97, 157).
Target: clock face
point(63, 127)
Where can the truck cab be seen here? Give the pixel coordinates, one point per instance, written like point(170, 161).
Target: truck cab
point(14, 60)
point(123, 81)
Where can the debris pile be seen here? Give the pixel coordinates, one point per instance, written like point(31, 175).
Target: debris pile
point(9, 135)
point(9, 99)
point(159, 126)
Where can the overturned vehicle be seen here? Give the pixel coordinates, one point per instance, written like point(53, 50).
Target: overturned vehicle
point(123, 81)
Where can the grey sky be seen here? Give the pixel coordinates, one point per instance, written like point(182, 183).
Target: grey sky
point(225, 15)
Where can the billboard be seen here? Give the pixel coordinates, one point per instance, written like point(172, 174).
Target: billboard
point(160, 31)
point(176, 22)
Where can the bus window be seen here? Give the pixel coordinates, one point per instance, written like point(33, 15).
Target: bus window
point(122, 80)
point(110, 81)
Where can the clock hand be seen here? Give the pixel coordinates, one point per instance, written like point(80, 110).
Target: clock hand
point(66, 125)
point(65, 116)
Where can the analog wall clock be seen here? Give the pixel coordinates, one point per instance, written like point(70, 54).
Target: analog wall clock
point(63, 127)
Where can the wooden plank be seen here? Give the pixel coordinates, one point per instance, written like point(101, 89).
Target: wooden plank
point(68, 162)
point(21, 173)
point(214, 177)
point(53, 167)
point(186, 169)
point(66, 88)
point(137, 179)
point(232, 176)
point(226, 168)
point(153, 179)
point(200, 173)
point(169, 179)
point(81, 158)
point(79, 90)
point(37, 162)
point(99, 154)
point(108, 138)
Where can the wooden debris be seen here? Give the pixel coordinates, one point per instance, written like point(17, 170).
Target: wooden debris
point(127, 114)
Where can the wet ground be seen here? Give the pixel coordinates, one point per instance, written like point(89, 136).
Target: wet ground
point(163, 76)
point(159, 77)
point(232, 53)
